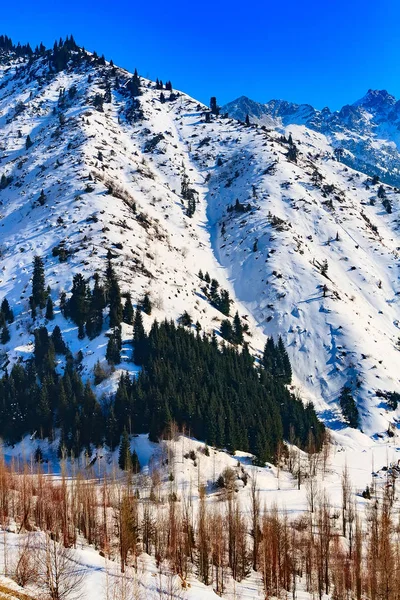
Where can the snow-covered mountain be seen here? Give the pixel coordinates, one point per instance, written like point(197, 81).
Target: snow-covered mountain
point(366, 133)
point(307, 249)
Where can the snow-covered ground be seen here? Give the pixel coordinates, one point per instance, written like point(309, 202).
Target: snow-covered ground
point(365, 461)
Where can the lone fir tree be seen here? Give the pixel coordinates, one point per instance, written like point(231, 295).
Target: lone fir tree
point(38, 283)
point(124, 454)
point(349, 407)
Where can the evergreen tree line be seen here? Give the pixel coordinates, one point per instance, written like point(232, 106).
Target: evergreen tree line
point(34, 398)
point(160, 85)
point(276, 360)
point(218, 297)
point(64, 52)
point(217, 394)
point(7, 45)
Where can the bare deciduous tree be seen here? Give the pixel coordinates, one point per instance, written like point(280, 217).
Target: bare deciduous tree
point(24, 571)
point(59, 574)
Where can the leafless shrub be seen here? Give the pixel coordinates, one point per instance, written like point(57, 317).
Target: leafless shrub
point(158, 302)
point(24, 571)
point(60, 575)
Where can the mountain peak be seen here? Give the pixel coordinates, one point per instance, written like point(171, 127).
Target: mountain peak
point(375, 99)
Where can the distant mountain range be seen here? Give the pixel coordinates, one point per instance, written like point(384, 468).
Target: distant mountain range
point(367, 131)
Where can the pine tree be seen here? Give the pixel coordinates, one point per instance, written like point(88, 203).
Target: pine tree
point(77, 306)
point(237, 329)
point(135, 464)
point(3, 182)
point(224, 302)
point(227, 330)
point(113, 294)
point(214, 290)
point(58, 342)
point(5, 335)
point(349, 407)
point(42, 198)
point(38, 456)
point(269, 356)
point(44, 412)
point(185, 319)
point(94, 322)
point(99, 373)
point(139, 337)
point(128, 312)
point(63, 303)
point(124, 455)
point(91, 418)
point(44, 352)
point(381, 192)
point(292, 153)
point(49, 315)
point(146, 305)
point(138, 328)
point(387, 205)
point(133, 85)
point(214, 106)
point(38, 283)
point(116, 310)
point(112, 435)
point(191, 206)
point(284, 361)
point(7, 312)
point(28, 142)
point(122, 404)
point(113, 354)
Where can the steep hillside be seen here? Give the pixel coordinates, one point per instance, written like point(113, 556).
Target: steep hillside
point(305, 248)
point(111, 180)
point(314, 254)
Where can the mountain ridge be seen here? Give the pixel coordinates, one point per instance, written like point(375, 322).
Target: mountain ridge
point(366, 132)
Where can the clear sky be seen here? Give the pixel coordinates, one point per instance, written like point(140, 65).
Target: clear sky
point(324, 52)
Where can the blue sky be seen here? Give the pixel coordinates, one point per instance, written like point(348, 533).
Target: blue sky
point(326, 52)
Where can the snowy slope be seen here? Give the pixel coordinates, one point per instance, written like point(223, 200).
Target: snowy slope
point(351, 335)
point(103, 191)
point(112, 181)
point(193, 468)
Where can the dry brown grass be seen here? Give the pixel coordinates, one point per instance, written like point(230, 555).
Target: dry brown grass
point(7, 593)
